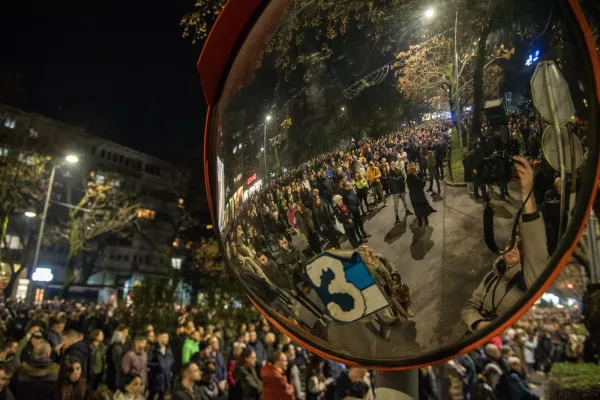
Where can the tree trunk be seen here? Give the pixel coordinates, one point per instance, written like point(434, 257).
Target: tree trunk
point(478, 77)
point(11, 283)
point(69, 277)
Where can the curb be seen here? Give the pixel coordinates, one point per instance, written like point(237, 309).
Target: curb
point(455, 184)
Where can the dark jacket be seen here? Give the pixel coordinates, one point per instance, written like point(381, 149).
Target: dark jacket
point(344, 217)
point(351, 201)
point(160, 365)
point(35, 380)
point(182, 393)
point(416, 184)
point(208, 390)
point(221, 368)
point(81, 351)
point(513, 386)
point(397, 181)
point(114, 370)
point(261, 353)
point(248, 386)
point(6, 394)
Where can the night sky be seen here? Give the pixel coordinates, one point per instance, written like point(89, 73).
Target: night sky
point(119, 67)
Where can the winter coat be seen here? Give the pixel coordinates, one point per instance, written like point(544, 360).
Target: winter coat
point(221, 368)
point(248, 385)
point(482, 389)
point(530, 346)
point(81, 351)
point(6, 394)
point(510, 283)
point(275, 384)
point(351, 201)
point(160, 365)
point(136, 363)
point(431, 162)
point(35, 380)
point(397, 181)
point(261, 353)
point(122, 396)
point(514, 386)
point(114, 370)
point(421, 205)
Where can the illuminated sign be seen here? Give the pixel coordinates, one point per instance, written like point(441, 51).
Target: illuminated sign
point(533, 58)
point(251, 179)
point(42, 275)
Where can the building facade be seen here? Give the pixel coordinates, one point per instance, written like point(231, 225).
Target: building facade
point(155, 183)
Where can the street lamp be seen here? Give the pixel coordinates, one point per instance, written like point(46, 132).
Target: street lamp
point(72, 159)
point(30, 214)
point(267, 119)
point(429, 13)
point(343, 108)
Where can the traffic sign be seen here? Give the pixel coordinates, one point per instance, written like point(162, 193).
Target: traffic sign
point(550, 90)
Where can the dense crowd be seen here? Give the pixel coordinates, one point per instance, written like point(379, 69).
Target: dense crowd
point(72, 351)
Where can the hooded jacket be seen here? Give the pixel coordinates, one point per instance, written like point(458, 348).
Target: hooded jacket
point(275, 384)
point(35, 380)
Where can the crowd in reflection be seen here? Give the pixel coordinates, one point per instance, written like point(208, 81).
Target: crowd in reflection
point(325, 201)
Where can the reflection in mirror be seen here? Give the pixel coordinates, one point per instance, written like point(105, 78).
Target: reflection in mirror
point(394, 178)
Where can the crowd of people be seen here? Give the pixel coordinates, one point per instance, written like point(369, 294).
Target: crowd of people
point(71, 351)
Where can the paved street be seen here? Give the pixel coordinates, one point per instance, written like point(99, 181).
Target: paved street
point(441, 264)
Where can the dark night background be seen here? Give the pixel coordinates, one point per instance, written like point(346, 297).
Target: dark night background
point(120, 68)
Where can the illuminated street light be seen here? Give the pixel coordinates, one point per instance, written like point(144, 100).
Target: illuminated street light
point(262, 149)
point(30, 214)
point(343, 108)
point(570, 285)
point(72, 159)
point(268, 118)
point(429, 13)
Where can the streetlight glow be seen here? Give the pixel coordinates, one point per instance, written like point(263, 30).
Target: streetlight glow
point(429, 13)
point(268, 118)
point(262, 149)
point(570, 285)
point(72, 159)
point(343, 108)
point(30, 214)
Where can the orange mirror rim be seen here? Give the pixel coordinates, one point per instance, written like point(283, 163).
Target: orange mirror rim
point(229, 29)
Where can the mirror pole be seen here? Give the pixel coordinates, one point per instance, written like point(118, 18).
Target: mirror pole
point(397, 385)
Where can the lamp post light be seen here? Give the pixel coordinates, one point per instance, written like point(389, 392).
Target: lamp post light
point(267, 119)
point(30, 214)
point(71, 159)
point(429, 13)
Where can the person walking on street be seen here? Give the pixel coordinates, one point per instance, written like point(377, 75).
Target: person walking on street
point(432, 170)
point(397, 186)
point(416, 185)
point(374, 179)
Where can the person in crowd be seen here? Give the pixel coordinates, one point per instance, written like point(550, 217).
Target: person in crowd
point(190, 346)
point(292, 372)
point(236, 352)
point(114, 361)
point(397, 187)
point(530, 345)
point(345, 217)
point(512, 384)
point(517, 270)
point(209, 390)
point(494, 356)
point(374, 179)
point(362, 191)
point(432, 169)
point(188, 389)
point(202, 356)
point(132, 388)
point(275, 384)
point(316, 382)
point(484, 386)
point(325, 223)
point(416, 185)
point(54, 336)
point(304, 222)
point(97, 358)
point(135, 361)
point(8, 357)
point(248, 385)
point(359, 390)
point(259, 349)
point(71, 384)
point(349, 197)
point(28, 343)
point(216, 355)
point(75, 346)
point(428, 388)
point(160, 364)
point(345, 380)
point(36, 378)
point(5, 393)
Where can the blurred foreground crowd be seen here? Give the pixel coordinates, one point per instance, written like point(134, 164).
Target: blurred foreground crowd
point(71, 351)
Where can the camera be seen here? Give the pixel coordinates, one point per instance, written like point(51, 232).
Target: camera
point(497, 168)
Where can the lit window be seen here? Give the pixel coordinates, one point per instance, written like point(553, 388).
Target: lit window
point(9, 123)
point(12, 242)
point(146, 214)
point(99, 179)
point(176, 263)
point(33, 133)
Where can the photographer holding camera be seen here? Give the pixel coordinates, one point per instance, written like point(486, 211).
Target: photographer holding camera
point(515, 271)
